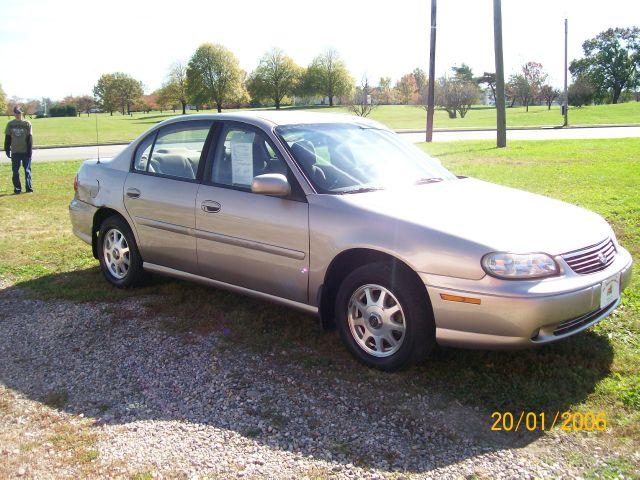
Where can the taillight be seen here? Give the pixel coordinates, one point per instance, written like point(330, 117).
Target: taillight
point(75, 183)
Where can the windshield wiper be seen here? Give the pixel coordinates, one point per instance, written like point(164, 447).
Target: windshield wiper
point(422, 181)
point(361, 190)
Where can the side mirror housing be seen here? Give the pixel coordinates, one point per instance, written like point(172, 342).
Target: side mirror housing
point(274, 184)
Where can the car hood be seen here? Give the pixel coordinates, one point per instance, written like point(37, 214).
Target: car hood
point(492, 217)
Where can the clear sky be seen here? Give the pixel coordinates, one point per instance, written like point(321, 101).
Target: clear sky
point(57, 48)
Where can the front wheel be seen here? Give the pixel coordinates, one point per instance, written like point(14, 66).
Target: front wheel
point(384, 317)
point(120, 260)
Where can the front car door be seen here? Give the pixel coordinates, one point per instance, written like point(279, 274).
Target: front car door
point(160, 193)
point(250, 240)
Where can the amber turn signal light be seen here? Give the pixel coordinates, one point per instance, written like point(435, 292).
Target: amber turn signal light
point(458, 298)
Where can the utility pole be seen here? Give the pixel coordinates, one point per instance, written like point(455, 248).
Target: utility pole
point(432, 74)
point(565, 104)
point(501, 116)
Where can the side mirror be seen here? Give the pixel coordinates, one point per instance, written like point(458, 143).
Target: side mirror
point(274, 184)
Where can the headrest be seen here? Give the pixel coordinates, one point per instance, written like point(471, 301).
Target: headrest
point(305, 153)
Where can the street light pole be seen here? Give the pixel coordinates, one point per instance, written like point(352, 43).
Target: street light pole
point(566, 89)
point(501, 116)
point(432, 74)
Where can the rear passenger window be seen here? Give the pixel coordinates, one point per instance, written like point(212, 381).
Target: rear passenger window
point(143, 152)
point(243, 154)
point(177, 150)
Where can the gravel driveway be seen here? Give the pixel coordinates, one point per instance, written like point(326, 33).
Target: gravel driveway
point(155, 401)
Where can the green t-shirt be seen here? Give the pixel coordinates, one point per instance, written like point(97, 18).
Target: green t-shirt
point(19, 131)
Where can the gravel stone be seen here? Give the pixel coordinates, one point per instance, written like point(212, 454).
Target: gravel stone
point(189, 405)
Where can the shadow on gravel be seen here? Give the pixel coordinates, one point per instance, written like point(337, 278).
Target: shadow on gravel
point(176, 351)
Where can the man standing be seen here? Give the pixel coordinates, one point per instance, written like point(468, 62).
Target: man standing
point(17, 145)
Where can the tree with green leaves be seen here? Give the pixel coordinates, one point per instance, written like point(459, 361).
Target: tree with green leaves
point(463, 72)
point(276, 77)
point(327, 75)
point(3, 99)
point(214, 76)
point(162, 99)
point(611, 61)
point(105, 93)
point(117, 91)
point(175, 89)
point(128, 91)
point(456, 95)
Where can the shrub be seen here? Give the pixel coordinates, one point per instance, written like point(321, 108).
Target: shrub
point(59, 110)
point(581, 92)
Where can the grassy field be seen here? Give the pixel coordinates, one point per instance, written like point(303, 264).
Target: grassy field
point(123, 128)
point(595, 371)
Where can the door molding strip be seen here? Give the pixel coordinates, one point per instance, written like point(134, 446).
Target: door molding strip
point(217, 237)
point(228, 286)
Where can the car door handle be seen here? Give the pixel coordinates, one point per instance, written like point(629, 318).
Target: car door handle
point(133, 193)
point(209, 206)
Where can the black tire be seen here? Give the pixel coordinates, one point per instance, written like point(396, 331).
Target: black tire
point(135, 273)
point(419, 334)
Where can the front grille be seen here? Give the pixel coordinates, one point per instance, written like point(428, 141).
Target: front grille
point(575, 323)
point(591, 259)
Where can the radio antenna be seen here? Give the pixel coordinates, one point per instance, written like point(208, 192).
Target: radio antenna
point(97, 137)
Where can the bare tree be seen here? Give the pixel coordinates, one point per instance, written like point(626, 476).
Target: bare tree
point(363, 100)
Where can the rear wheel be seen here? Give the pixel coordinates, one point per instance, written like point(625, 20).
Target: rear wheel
point(120, 260)
point(384, 317)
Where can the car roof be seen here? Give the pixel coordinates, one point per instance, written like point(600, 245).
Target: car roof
point(271, 118)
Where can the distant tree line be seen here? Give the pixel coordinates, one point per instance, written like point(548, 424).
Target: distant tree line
point(609, 72)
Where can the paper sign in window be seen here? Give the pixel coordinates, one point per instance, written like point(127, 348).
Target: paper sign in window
point(242, 158)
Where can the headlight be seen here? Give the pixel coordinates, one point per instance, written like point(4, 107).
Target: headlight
point(519, 266)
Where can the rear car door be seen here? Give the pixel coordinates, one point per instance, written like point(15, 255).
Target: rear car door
point(160, 193)
point(251, 240)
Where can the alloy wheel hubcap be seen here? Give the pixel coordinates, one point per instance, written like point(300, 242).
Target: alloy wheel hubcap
point(116, 254)
point(376, 320)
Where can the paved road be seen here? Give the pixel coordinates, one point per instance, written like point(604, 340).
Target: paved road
point(79, 153)
point(533, 134)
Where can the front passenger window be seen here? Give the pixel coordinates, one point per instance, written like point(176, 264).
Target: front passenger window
point(178, 148)
point(243, 154)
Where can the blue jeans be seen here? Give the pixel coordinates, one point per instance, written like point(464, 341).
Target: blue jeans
point(25, 159)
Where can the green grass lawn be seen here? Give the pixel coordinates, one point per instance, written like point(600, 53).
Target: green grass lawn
point(123, 128)
point(595, 371)
point(409, 116)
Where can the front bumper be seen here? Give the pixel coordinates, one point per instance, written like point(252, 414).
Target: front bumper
point(519, 314)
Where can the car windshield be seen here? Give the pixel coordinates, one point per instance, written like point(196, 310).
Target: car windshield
point(342, 158)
